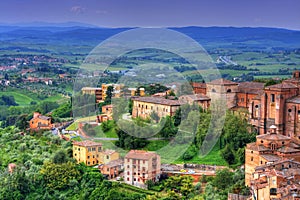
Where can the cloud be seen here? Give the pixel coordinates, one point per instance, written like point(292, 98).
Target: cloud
point(77, 10)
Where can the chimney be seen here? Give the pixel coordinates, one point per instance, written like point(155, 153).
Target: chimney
point(142, 92)
point(36, 114)
point(273, 129)
point(132, 91)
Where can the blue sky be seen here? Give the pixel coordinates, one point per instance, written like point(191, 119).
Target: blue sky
point(156, 13)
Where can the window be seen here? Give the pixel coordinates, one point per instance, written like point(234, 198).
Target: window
point(75, 154)
point(108, 169)
point(127, 179)
point(272, 98)
point(146, 107)
point(251, 158)
point(289, 110)
point(88, 157)
point(127, 166)
point(261, 141)
point(107, 157)
point(128, 173)
point(139, 105)
point(89, 163)
point(213, 90)
point(99, 149)
point(229, 90)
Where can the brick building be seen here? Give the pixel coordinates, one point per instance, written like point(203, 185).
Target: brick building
point(199, 99)
point(140, 166)
point(277, 104)
point(279, 180)
point(269, 148)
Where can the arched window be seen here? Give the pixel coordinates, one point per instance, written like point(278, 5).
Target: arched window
point(213, 90)
point(229, 90)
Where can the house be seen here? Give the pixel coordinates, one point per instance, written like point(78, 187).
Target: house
point(144, 106)
point(107, 109)
point(278, 180)
point(109, 155)
point(112, 169)
point(92, 153)
point(40, 122)
point(88, 152)
point(267, 149)
point(200, 99)
point(140, 166)
point(93, 91)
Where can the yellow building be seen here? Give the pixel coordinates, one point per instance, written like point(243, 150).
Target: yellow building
point(117, 90)
point(93, 91)
point(144, 106)
point(108, 156)
point(88, 152)
point(91, 153)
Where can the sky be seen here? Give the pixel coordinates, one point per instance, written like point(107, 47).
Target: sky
point(156, 13)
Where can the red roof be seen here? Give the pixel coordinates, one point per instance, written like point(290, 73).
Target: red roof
point(158, 100)
point(222, 81)
point(87, 143)
point(281, 86)
point(140, 154)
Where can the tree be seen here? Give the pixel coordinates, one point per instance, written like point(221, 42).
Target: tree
point(180, 184)
point(228, 154)
point(60, 157)
point(58, 176)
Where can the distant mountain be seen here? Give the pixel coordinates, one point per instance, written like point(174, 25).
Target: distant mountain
point(49, 24)
point(209, 37)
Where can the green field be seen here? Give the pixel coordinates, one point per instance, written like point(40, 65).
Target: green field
point(21, 99)
point(212, 158)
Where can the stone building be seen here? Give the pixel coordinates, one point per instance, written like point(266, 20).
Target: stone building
point(140, 166)
point(144, 106)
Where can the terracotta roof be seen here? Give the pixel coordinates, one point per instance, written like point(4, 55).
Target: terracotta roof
point(158, 100)
point(273, 136)
point(44, 117)
point(281, 86)
point(222, 81)
point(91, 88)
point(196, 97)
point(286, 149)
point(87, 143)
point(294, 100)
point(253, 146)
point(108, 151)
point(251, 87)
point(270, 158)
point(198, 85)
point(140, 154)
point(115, 163)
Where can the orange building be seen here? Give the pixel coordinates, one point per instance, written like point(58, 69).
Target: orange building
point(112, 169)
point(40, 122)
